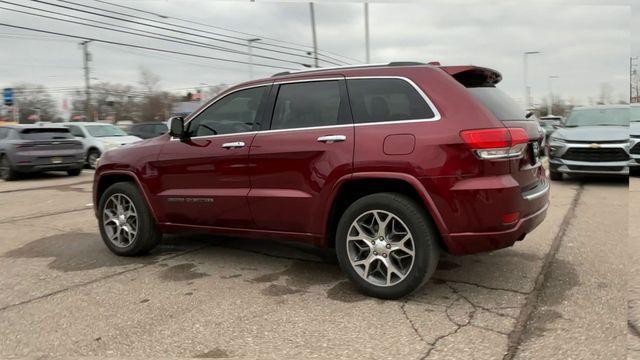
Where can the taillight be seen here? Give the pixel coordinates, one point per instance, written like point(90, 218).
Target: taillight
point(497, 143)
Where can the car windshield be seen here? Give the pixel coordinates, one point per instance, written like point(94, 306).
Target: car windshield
point(635, 113)
point(598, 117)
point(45, 134)
point(104, 130)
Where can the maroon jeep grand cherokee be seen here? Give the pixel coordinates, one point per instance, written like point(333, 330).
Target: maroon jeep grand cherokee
point(388, 164)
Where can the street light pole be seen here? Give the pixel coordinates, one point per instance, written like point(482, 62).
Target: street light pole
point(87, 89)
point(631, 73)
point(250, 51)
point(366, 32)
point(527, 89)
point(550, 103)
point(313, 33)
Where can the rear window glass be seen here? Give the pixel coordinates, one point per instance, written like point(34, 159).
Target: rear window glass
point(499, 103)
point(378, 100)
point(45, 134)
point(308, 104)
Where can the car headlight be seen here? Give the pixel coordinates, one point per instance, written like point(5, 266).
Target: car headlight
point(557, 139)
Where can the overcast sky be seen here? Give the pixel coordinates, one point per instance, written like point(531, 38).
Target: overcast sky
point(586, 43)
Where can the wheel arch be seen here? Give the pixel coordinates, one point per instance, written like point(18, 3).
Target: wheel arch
point(108, 178)
point(361, 184)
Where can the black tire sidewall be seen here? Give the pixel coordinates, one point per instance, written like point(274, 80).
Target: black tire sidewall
point(92, 151)
point(147, 235)
point(11, 173)
point(421, 228)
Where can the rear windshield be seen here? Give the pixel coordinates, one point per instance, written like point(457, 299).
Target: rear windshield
point(499, 103)
point(599, 117)
point(45, 134)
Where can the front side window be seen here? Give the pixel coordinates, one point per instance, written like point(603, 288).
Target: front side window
point(234, 113)
point(378, 100)
point(308, 104)
point(76, 131)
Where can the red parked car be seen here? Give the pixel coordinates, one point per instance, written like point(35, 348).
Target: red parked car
point(388, 164)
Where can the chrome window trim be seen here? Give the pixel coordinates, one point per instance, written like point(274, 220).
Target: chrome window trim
point(424, 96)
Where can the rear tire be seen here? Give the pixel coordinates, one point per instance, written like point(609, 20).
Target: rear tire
point(407, 230)
point(125, 221)
point(555, 175)
point(7, 172)
point(74, 172)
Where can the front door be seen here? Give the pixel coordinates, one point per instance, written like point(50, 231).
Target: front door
point(205, 179)
point(300, 155)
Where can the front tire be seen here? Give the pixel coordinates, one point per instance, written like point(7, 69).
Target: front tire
point(125, 221)
point(92, 158)
point(387, 245)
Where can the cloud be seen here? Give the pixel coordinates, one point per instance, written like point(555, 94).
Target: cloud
point(586, 45)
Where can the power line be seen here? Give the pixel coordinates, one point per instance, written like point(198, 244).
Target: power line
point(163, 28)
point(141, 47)
point(168, 37)
point(321, 51)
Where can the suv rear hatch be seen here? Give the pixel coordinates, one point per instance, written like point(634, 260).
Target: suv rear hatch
point(481, 84)
point(44, 143)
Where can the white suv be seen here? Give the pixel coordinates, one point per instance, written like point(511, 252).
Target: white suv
point(98, 138)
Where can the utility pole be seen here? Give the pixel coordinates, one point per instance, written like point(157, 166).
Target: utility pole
point(550, 104)
point(87, 89)
point(632, 72)
point(313, 33)
point(366, 31)
point(527, 89)
point(250, 51)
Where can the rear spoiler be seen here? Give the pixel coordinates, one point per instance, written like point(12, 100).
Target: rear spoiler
point(473, 76)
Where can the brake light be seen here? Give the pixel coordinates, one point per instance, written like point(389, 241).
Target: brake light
point(497, 143)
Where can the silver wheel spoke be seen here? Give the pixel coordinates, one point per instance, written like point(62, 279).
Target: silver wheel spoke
point(120, 220)
point(386, 258)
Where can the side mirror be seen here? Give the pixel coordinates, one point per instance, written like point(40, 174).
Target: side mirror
point(176, 127)
point(529, 114)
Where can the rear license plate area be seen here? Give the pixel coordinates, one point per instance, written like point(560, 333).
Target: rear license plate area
point(56, 160)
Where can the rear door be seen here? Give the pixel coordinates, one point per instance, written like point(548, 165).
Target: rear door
point(306, 147)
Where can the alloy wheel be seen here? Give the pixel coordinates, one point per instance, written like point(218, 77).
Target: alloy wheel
point(380, 248)
point(120, 220)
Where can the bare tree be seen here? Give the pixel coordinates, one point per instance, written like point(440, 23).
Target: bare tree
point(34, 100)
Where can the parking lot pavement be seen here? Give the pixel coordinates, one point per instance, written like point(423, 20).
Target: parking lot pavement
point(633, 325)
point(64, 294)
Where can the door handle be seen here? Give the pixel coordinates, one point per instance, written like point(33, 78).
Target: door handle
point(332, 138)
point(233, 145)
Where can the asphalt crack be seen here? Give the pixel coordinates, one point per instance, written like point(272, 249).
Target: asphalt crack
point(483, 286)
point(531, 301)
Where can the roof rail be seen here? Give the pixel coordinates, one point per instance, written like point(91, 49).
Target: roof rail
point(394, 63)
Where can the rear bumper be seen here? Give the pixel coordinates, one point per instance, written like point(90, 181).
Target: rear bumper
point(478, 212)
point(475, 242)
point(50, 167)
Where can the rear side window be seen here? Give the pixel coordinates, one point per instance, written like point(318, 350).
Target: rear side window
point(378, 100)
point(75, 131)
point(499, 103)
point(308, 104)
point(45, 134)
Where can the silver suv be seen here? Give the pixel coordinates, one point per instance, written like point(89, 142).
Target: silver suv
point(593, 140)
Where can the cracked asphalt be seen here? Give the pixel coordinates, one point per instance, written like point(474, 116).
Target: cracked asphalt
point(565, 292)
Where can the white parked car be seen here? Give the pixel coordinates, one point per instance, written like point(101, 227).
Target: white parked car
point(98, 138)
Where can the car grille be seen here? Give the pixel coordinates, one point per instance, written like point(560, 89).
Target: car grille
point(635, 149)
point(596, 155)
point(595, 168)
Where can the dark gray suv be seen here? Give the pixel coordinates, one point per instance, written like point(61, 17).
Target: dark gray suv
point(29, 149)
